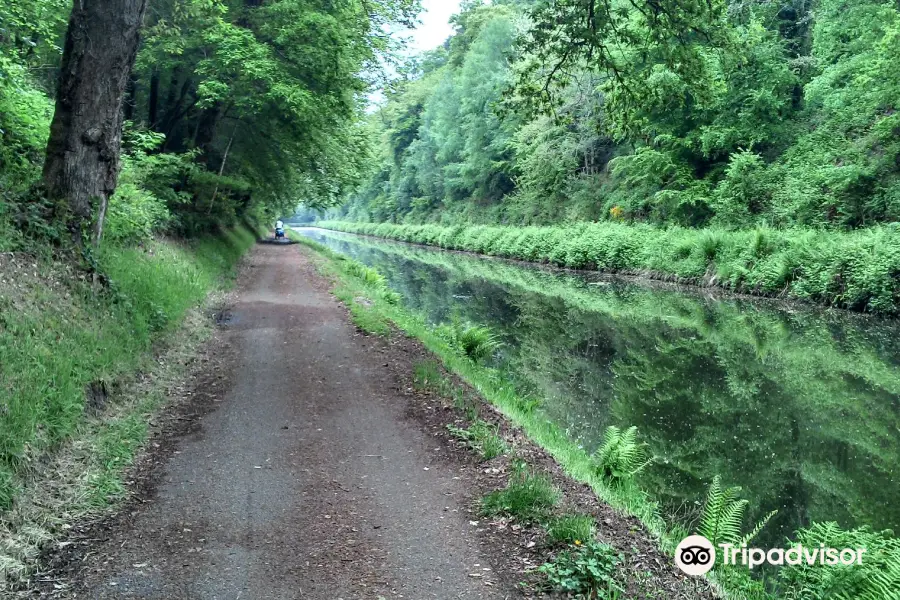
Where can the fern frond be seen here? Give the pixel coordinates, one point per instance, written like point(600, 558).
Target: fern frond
point(759, 527)
point(723, 516)
point(714, 502)
point(621, 456)
point(876, 578)
point(731, 522)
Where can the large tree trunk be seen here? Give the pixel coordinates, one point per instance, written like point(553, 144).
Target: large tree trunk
point(82, 165)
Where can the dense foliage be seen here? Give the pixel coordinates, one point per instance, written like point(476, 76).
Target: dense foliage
point(856, 270)
point(235, 109)
point(732, 113)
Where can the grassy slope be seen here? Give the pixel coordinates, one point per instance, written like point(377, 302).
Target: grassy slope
point(59, 338)
point(858, 270)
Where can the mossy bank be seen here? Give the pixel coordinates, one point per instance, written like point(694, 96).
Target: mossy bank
point(856, 270)
point(69, 351)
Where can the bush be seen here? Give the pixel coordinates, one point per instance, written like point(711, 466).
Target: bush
point(135, 215)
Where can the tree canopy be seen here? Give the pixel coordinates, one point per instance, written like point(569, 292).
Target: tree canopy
point(692, 112)
point(235, 108)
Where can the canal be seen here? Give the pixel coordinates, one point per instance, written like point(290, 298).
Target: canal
point(799, 406)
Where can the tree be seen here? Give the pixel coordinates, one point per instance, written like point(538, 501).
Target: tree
point(608, 35)
point(82, 165)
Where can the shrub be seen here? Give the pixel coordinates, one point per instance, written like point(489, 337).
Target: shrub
point(134, 215)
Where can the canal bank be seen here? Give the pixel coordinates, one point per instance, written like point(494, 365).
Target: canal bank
point(797, 406)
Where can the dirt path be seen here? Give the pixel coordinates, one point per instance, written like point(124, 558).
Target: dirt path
point(306, 479)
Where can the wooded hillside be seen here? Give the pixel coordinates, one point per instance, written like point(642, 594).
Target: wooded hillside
point(733, 113)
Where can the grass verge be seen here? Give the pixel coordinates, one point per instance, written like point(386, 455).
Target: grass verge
point(81, 378)
point(859, 270)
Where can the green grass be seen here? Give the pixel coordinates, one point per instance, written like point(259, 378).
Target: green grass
point(522, 411)
point(569, 529)
point(859, 270)
point(114, 449)
point(84, 476)
point(427, 376)
point(481, 437)
point(529, 497)
point(59, 334)
point(364, 317)
point(368, 289)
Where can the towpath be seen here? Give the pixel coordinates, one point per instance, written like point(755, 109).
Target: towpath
point(303, 478)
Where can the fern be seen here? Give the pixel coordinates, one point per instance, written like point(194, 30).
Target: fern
point(877, 578)
point(474, 341)
point(722, 519)
point(621, 456)
point(478, 343)
point(759, 527)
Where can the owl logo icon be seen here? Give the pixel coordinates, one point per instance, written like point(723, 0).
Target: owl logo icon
point(695, 555)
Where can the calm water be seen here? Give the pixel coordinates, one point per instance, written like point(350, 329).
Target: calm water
point(798, 406)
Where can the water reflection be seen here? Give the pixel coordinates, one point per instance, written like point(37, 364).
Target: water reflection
point(798, 406)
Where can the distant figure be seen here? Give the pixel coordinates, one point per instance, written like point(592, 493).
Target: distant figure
point(279, 229)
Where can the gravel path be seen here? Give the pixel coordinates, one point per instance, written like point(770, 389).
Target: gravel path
point(305, 480)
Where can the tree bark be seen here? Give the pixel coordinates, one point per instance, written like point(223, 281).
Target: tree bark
point(82, 166)
point(222, 170)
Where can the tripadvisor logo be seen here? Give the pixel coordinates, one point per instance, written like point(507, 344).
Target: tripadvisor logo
point(696, 556)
